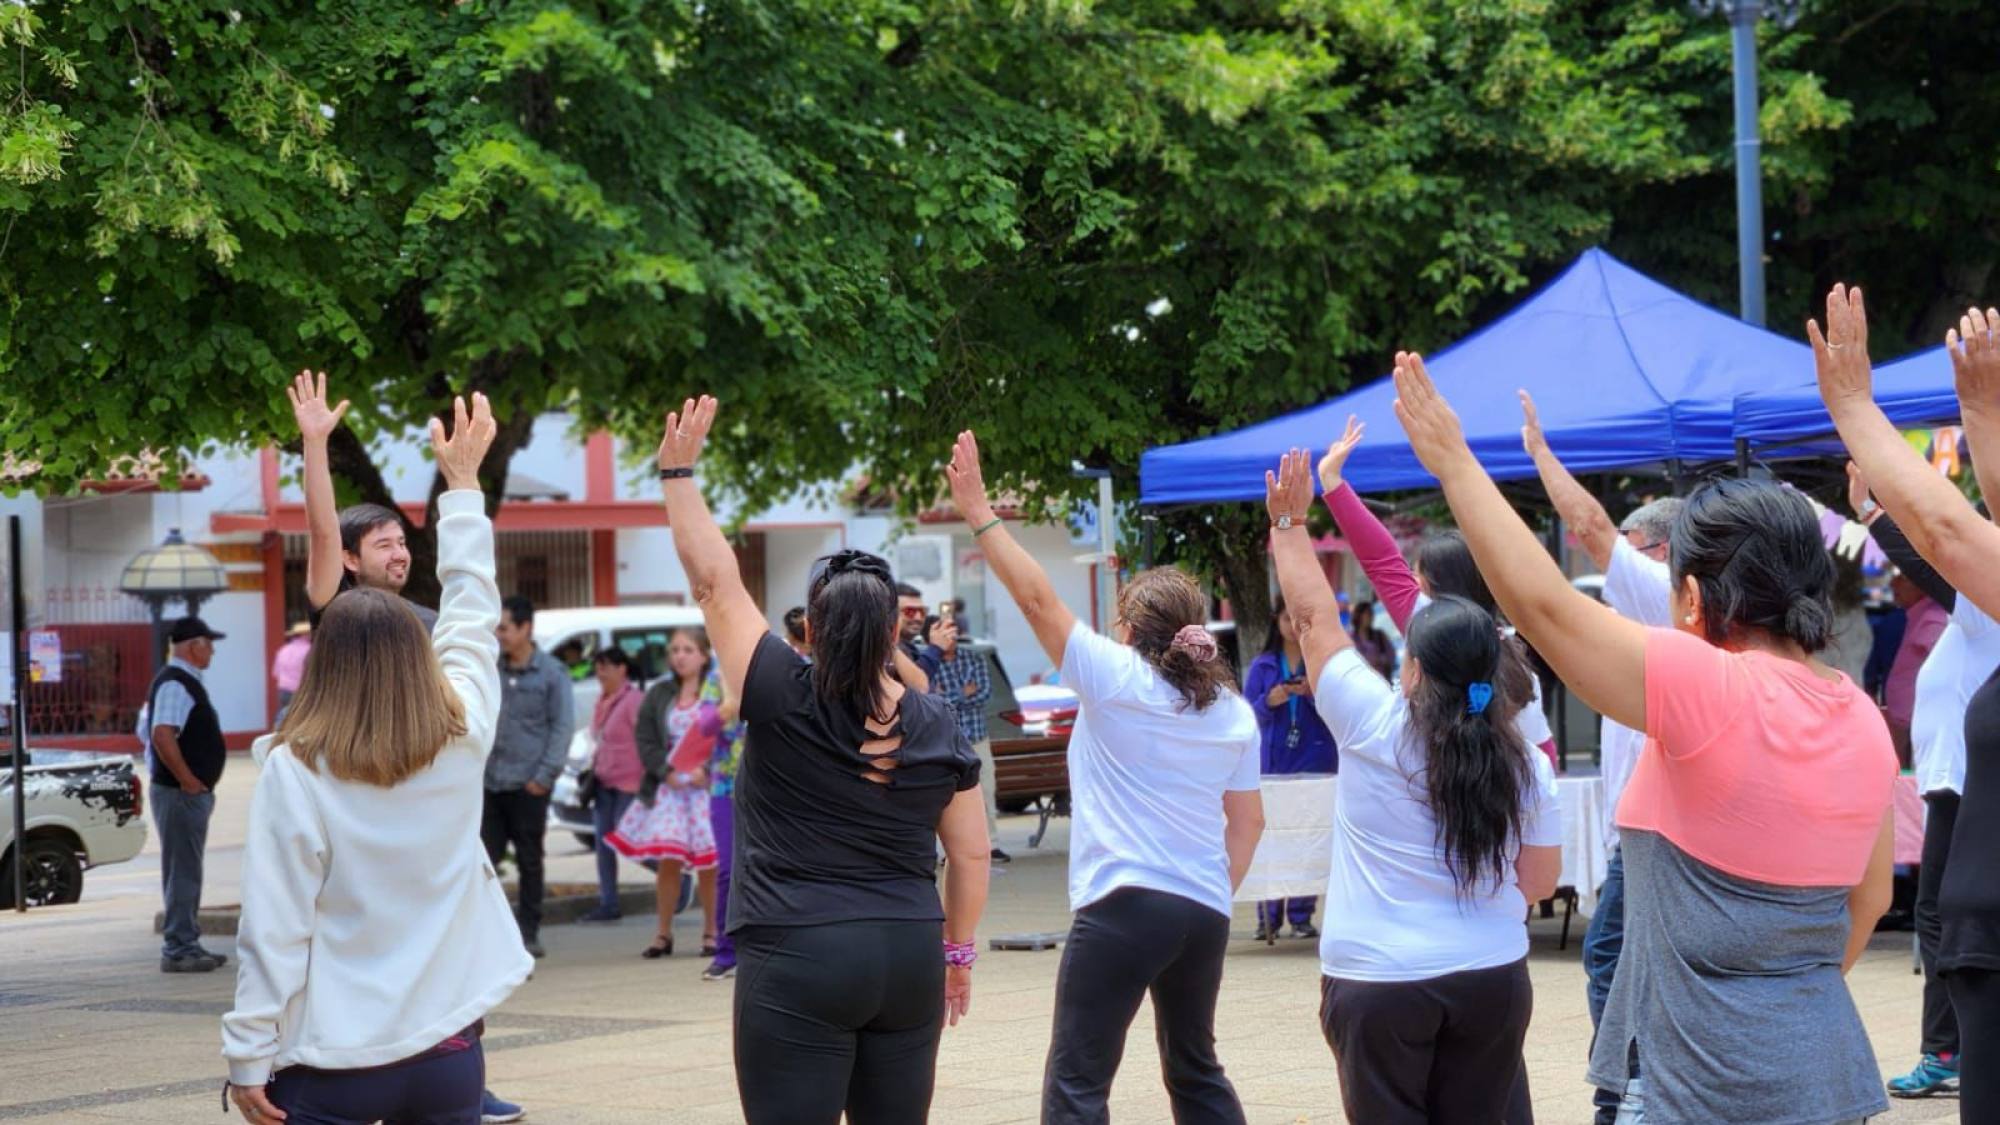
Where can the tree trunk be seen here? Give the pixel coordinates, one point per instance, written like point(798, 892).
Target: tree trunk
point(1245, 575)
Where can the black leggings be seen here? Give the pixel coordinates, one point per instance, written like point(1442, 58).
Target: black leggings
point(1975, 997)
point(842, 1017)
point(1441, 1051)
point(1120, 948)
point(1940, 1034)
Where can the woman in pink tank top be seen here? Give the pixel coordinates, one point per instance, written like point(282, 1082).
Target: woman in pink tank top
point(1756, 827)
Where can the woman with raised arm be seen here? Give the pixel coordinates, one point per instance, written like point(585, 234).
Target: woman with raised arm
point(850, 965)
point(1446, 827)
point(1962, 545)
point(375, 935)
point(1756, 828)
point(1444, 567)
point(1163, 768)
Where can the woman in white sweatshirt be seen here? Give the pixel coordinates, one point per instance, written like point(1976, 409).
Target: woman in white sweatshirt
point(375, 936)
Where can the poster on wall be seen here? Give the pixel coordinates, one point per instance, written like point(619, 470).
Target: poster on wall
point(44, 658)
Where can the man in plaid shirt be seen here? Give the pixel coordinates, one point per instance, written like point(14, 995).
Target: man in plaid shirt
point(964, 682)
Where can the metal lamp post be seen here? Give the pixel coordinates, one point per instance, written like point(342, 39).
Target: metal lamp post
point(173, 571)
point(1743, 17)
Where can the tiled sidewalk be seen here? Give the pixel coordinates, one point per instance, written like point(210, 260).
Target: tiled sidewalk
point(90, 1031)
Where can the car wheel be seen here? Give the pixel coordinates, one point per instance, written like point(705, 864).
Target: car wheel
point(52, 872)
point(588, 841)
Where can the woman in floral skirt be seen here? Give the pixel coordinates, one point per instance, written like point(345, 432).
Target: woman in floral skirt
point(670, 823)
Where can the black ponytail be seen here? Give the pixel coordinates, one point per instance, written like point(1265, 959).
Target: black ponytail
point(852, 609)
point(1476, 766)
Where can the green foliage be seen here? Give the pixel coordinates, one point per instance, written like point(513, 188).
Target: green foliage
point(1082, 228)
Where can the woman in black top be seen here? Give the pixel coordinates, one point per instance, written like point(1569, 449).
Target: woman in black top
point(1962, 545)
point(848, 964)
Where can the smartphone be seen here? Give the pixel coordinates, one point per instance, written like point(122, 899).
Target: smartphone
point(946, 611)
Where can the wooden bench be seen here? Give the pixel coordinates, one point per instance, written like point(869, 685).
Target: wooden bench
point(1038, 769)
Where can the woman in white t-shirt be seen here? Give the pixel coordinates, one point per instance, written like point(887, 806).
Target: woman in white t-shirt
point(1445, 827)
point(1163, 771)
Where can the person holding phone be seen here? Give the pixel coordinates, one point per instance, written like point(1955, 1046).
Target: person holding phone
point(1295, 740)
point(964, 682)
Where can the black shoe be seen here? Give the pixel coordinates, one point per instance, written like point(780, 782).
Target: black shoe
point(601, 915)
point(218, 958)
point(190, 963)
point(1305, 930)
point(534, 947)
point(1001, 857)
point(1264, 932)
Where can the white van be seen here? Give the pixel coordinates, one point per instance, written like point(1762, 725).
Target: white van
point(575, 637)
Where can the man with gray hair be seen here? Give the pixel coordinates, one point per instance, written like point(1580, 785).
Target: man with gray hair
point(1633, 557)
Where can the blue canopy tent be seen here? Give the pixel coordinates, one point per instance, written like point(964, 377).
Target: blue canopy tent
point(1625, 372)
point(1913, 390)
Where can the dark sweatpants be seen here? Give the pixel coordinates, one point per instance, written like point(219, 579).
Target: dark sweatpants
point(1442, 1051)
point(1128, 944)
point(441, 1089)
point(1940, 1034)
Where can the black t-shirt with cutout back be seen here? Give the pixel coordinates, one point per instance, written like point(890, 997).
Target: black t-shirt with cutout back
point(1969, 899)
point(817, 841)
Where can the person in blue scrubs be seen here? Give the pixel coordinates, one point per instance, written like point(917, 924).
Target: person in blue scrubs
point(1295, 741)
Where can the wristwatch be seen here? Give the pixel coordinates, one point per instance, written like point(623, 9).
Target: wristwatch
point(1284, 523)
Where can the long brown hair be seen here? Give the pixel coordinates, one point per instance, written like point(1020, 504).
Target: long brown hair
point(1155, 607)
point(373, 705)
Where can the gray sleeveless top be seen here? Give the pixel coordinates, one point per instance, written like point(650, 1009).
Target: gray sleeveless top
point(1717, 974)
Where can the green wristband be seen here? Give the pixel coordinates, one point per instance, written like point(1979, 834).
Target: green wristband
point(983, 528)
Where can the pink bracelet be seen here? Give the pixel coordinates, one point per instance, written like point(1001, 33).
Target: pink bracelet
point(960, 954)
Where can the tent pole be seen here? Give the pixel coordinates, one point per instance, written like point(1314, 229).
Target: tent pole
point(1149, 522)
point(1676, 479)
point(1742, 457)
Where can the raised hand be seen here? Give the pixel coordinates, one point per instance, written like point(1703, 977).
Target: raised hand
point(1289, 491)
point(1336, 454)
point(460, 453)
point(968, 481)
point(1435, 435)
point(1532, 438)
point(1858, 496)
point(1841, 352)
point(686, 432)
point(1975, 358)
point(309, 409)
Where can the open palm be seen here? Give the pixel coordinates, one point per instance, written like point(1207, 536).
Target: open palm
point(1337, 454)
point(308, 396)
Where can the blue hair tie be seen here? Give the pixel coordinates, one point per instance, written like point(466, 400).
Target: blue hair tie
point(1478, 694)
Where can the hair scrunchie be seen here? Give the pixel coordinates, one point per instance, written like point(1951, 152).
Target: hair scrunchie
point(1197, 642)
point(1477, 695)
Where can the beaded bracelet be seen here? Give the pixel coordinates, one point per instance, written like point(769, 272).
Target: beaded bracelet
point(960, 954)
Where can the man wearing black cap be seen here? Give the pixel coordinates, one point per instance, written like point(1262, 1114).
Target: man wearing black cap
point(186, 740)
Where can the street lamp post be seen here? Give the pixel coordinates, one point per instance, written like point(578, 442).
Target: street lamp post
point(173, 571)
point(1743, 17)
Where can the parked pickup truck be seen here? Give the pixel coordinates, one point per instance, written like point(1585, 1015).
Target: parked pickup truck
point(84, 810)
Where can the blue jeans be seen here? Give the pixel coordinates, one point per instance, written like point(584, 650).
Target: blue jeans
point(1602, 941)
point(182, 823)
point(605, 812)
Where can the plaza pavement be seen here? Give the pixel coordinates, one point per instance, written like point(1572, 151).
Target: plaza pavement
point(91, 1031)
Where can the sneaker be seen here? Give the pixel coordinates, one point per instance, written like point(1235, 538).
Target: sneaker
point(1933, 1075)
point(534, 947)
point(602, 915)
point(202, 963)
point(1001, 857)
point(718, 972)
point(493, 1111)
point(1305, 930)
point(1264, 932)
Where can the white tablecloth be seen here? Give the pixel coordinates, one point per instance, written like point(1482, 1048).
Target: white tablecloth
point(1296, 853)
